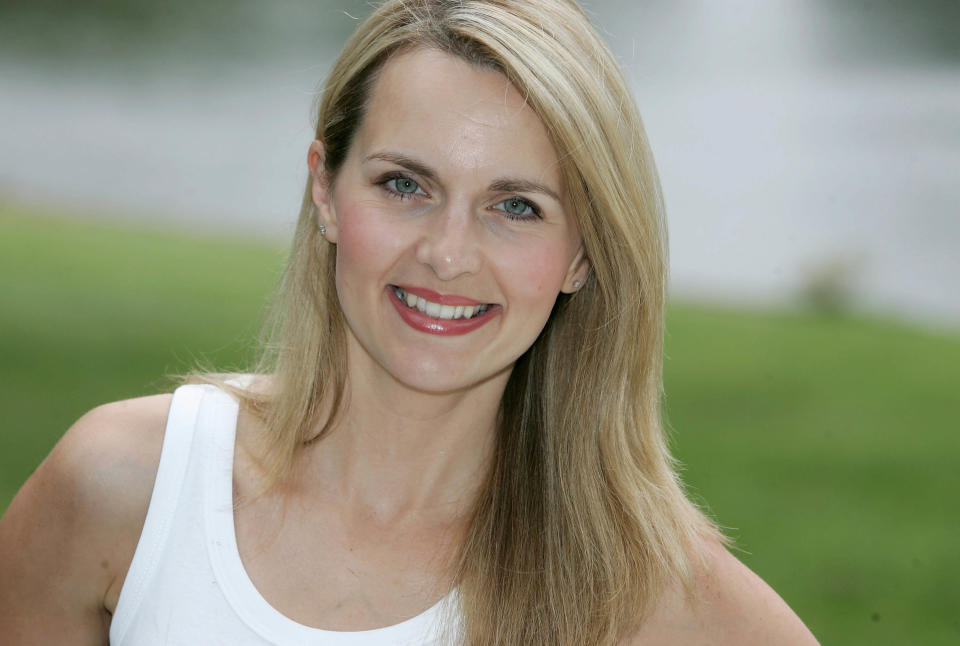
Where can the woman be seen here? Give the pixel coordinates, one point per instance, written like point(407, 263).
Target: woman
point(459, 407)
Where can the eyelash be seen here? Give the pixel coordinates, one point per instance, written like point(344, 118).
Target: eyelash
point(535, 212)
point(386, 179)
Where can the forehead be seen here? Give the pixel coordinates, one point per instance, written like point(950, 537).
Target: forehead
point(437, 105)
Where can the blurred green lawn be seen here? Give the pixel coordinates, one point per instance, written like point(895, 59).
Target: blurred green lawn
point(828, 446)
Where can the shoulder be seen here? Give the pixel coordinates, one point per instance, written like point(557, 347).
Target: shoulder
point(110, 457)
point(121, 424)
point(732, 601)
point(728, 604)
point(104, 466)
point(78, 518)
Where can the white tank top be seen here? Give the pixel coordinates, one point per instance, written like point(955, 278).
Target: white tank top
point(186, 583)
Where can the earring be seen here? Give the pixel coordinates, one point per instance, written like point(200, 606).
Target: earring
point(323, 230)
point(576, 284)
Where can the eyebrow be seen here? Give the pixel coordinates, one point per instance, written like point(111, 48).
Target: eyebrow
point(507, 185)
point(409, 163)
point(503, 184)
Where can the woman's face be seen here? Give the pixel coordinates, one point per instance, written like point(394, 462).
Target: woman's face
point(452, 236)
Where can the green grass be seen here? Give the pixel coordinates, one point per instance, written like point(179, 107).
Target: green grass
point(91, 313)
point(828, 446)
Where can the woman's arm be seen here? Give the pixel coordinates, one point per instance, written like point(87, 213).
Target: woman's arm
point(68, 537)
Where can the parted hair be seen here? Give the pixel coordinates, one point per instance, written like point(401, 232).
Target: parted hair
point(581, 520)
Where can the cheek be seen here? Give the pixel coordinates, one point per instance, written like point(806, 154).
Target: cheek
point(365, 246)
point(538, 273)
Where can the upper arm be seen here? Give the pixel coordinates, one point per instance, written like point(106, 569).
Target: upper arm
point(70, 533)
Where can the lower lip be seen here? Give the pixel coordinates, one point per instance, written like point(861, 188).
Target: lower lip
point(442, 327)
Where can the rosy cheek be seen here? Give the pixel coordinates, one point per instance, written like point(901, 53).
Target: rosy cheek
point(363, 237)
point(539, 271)
point(357, 248)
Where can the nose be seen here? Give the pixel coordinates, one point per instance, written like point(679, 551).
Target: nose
point(449, 244)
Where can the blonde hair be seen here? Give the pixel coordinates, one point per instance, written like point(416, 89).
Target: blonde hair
point(582, 519)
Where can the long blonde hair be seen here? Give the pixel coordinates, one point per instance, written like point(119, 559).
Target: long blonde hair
point(582, 519)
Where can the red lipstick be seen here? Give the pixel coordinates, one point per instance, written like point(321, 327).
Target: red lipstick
point(421, 322)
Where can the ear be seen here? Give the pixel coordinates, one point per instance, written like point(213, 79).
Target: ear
point(322, 190)
point(577, 272)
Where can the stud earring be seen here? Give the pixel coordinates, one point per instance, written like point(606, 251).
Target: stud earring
point(323, 230)
point(576, 284)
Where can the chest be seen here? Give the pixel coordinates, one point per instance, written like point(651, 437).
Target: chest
point(322, 571)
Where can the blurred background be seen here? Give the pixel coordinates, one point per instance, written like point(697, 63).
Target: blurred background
point(152, 164)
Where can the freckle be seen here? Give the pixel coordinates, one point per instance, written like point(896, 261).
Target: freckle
point(104, 564)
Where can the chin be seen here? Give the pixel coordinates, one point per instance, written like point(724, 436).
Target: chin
point(439, 378)
point(431, 380)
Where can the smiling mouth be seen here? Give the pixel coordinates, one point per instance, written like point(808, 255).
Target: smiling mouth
point(436, 310)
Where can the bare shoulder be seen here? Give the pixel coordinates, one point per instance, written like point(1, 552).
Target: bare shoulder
point(729, 604)
point(109, 458)
point(77, 521)
point(734, 602)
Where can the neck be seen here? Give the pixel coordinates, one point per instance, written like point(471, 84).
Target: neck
point(396, 452)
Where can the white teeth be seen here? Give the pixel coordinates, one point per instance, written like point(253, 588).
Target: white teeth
point(436, 310)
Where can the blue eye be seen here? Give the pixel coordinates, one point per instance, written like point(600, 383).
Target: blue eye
point(404, 186)
point(518, 208)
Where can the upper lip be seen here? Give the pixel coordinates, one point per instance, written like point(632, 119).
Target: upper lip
point(440, 299)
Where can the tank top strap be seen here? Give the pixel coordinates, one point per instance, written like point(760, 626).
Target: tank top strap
point(178, 440)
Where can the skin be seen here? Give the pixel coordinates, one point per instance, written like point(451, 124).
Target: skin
point(405, 457)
